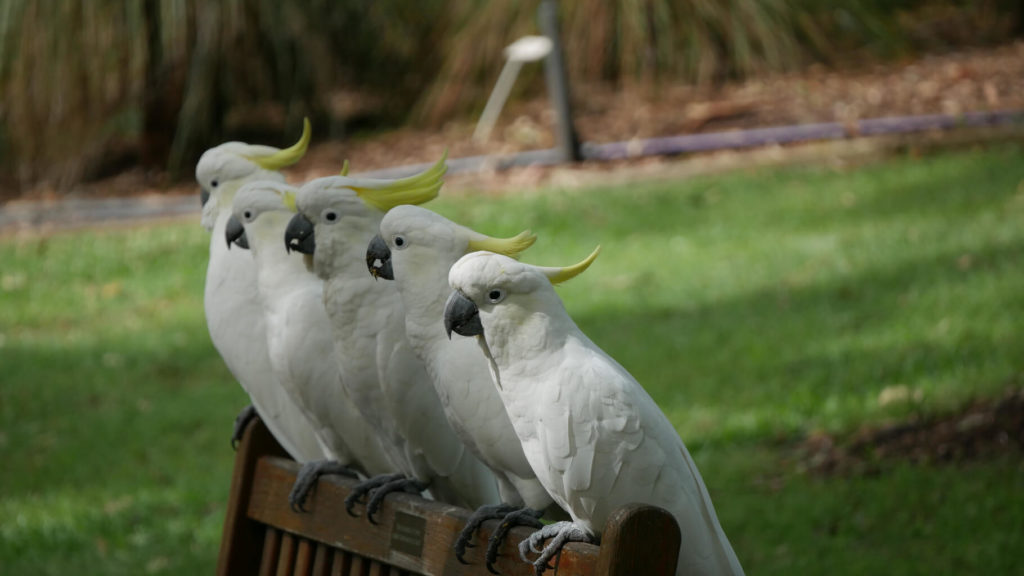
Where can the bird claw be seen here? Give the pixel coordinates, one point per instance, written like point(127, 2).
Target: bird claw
point(241, 421)
point(350, 504)
point(398, 484)
point(479, 516)
point(560, 533)
point(367, 487)
point(307, 478)
point(515, 517)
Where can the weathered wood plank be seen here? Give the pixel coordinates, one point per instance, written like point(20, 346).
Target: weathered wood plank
point(242, 538)
point(303, 558)
point(321, 560)
point(341, 563)
point(286, 558)
point(271, 546)
point(412, 533)
point(639, 539)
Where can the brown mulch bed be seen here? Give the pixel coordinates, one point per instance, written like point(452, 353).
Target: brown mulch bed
point(971, 80)
point(983, 428)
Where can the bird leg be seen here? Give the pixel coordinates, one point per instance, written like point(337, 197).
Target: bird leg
point(241, 421)
point(482, 514)
point(400, 484)
point(364, 488)
point(307, 478)
point(518, 517)
point(560, 533)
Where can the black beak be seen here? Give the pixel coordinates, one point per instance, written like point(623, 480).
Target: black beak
point(378, 259)
point(204, 196)
point(462, 316)
point(299, 235)
point(234, 233)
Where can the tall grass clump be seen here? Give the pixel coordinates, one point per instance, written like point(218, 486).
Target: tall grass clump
point(620, 42)
point(92, 88)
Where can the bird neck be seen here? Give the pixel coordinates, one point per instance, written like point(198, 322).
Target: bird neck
point(424, 289)
point(278, 272)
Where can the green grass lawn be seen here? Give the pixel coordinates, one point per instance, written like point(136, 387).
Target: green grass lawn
point(755, 307)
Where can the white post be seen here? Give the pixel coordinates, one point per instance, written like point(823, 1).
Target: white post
point(526, 49)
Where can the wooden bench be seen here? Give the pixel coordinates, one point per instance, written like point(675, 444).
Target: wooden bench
point(263, 536)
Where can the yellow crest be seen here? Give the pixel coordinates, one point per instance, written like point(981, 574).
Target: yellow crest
point(416, 189)
point(511, 247)
point(559, 275)
point(288, 199)
point(289, 155)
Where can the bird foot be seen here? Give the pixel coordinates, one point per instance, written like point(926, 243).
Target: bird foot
point(241, 421)
point(560, 533)
point(308, 475)
point(479, 516)
point(518, 517)
point(367, 487)
point(400, 484)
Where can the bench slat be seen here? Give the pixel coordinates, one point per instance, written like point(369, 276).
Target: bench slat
point(413, 536)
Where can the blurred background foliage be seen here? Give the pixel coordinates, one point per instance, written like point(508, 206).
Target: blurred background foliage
point(90, 88)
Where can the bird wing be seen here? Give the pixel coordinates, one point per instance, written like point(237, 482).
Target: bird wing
point(234, 315)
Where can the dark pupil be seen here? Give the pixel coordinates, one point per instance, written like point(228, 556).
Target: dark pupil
point(214, 183)
point(494, 295)
point(399, 241)
point(331, 216)
point(247, 214)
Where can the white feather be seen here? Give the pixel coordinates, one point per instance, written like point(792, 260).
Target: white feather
point(298, 333)
point(385, 378)
point(231, 303)
point(593, 435)
point(461, 376)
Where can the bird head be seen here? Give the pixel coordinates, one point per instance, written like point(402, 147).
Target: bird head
point(223, 169)
point(424, 244)
point(339, 213)
point(252, 201)
point(495, 290)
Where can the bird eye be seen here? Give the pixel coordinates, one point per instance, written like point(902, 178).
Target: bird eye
point(330, 216)
point(247, 215)
point(496, 295)
point(399, 242)
point(213, 183)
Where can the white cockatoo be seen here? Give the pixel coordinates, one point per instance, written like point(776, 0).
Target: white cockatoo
point(416, 248)
point(298, 333)
point(233, 311)
point(593, 435)
point(338, 216)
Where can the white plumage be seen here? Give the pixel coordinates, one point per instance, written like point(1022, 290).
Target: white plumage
point(298, 333)
point(416, 248)
point(231, 302)
point(592, 434)
point(386, 380)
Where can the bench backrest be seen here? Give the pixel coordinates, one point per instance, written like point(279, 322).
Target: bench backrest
point(262, 535)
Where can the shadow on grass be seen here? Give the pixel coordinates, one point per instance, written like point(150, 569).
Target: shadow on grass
point(115, 412)
point(788, 359)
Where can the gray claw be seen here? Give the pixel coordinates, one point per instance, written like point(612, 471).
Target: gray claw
point(364, 488)
point(402, 483)
point(309, 474)
point(241, 421)
point(515, 517)
point(479, 516)
point(560, 533)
